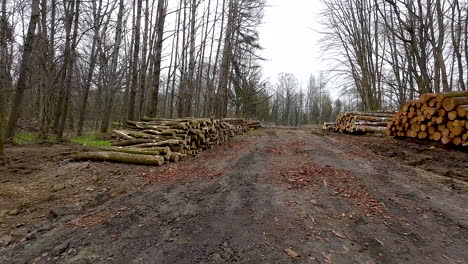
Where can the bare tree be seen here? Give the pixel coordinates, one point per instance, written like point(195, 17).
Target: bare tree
point(93, 62)
point(24, 70)
point(161, 14)
point(134, 67)
point(112, 82)
point(70, 66)
point(3, 73)
point(95, 47)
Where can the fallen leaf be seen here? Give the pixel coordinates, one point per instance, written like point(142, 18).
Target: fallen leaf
point(291, 253)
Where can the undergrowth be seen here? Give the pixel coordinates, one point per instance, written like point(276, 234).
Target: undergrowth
point(90, 140)
point(22, 139)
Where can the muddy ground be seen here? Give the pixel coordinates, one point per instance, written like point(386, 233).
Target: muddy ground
point(275, 196)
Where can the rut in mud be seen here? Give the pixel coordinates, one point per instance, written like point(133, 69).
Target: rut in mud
point(276, 197)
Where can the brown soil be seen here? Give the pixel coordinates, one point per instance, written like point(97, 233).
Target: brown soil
point(278, 196)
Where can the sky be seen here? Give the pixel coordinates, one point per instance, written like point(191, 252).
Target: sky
point(289, 38)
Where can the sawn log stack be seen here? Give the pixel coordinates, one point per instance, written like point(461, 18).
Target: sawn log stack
point(439, 117)
point(160, 141)
point(361, 122)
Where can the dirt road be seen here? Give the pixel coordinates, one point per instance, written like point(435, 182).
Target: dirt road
point(278, 196)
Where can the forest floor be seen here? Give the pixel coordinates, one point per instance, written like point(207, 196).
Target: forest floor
point(273, 196)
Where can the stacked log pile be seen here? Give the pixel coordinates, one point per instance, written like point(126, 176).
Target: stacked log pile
point(329, 126)
point(160, 141)
point(439, 117)
point(236, 121)
point(253, 125)
point(248, 125)
point(363, 122)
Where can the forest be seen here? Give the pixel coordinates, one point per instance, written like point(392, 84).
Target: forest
point(68, 67)
point(233, 131)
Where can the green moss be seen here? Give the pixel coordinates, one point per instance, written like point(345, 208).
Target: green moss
point(90, 140)
point(25, 139)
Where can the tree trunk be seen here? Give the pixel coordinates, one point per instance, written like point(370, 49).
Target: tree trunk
point(92, 64)
point(3, 74)
point(23, 71)
point(134, 66)
point(183, 70)
point(144, 66)
point(112, 83)
point(171, 107)
point(162, 6)
point(221, 109)
point(69, 76)
point(192, 62)
point(121, 157)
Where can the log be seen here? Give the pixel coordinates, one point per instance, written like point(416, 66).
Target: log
point(369, 129)
point(164, 143)
point(452, 115)
point(374, 114)
point(122, 134)
point(174, 157)
point(130, 150)
point(441, 96)
point(172, 138)
point(131, 142)
point(446, 140)
point(121, 158)
point(451, 103)
point(462, 110)
point(423, 98)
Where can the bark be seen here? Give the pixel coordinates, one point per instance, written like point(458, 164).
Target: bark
point(221, 109)
point(456, 33)
point(24, 70)
point(70, 68)
point(3, 74)
point(170, 74)
point(68, 7)
point(92, 65)
point(162, 8)
point(441, 26)
point(205, 33)
point(144, 66)
point(192, 61)
point(2, 121)
point(134, 66)
point(183, 70)
point(121, 158)
point(49, 73)
point(112, 82)
point(212, 105)
point(131, 150)
point(179, 12)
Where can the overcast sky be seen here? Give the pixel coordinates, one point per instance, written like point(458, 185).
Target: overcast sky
point(289, 40)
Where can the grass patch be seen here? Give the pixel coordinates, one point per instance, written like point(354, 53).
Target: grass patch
point(249, 133)
point(90, 140)
point(23, 139)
